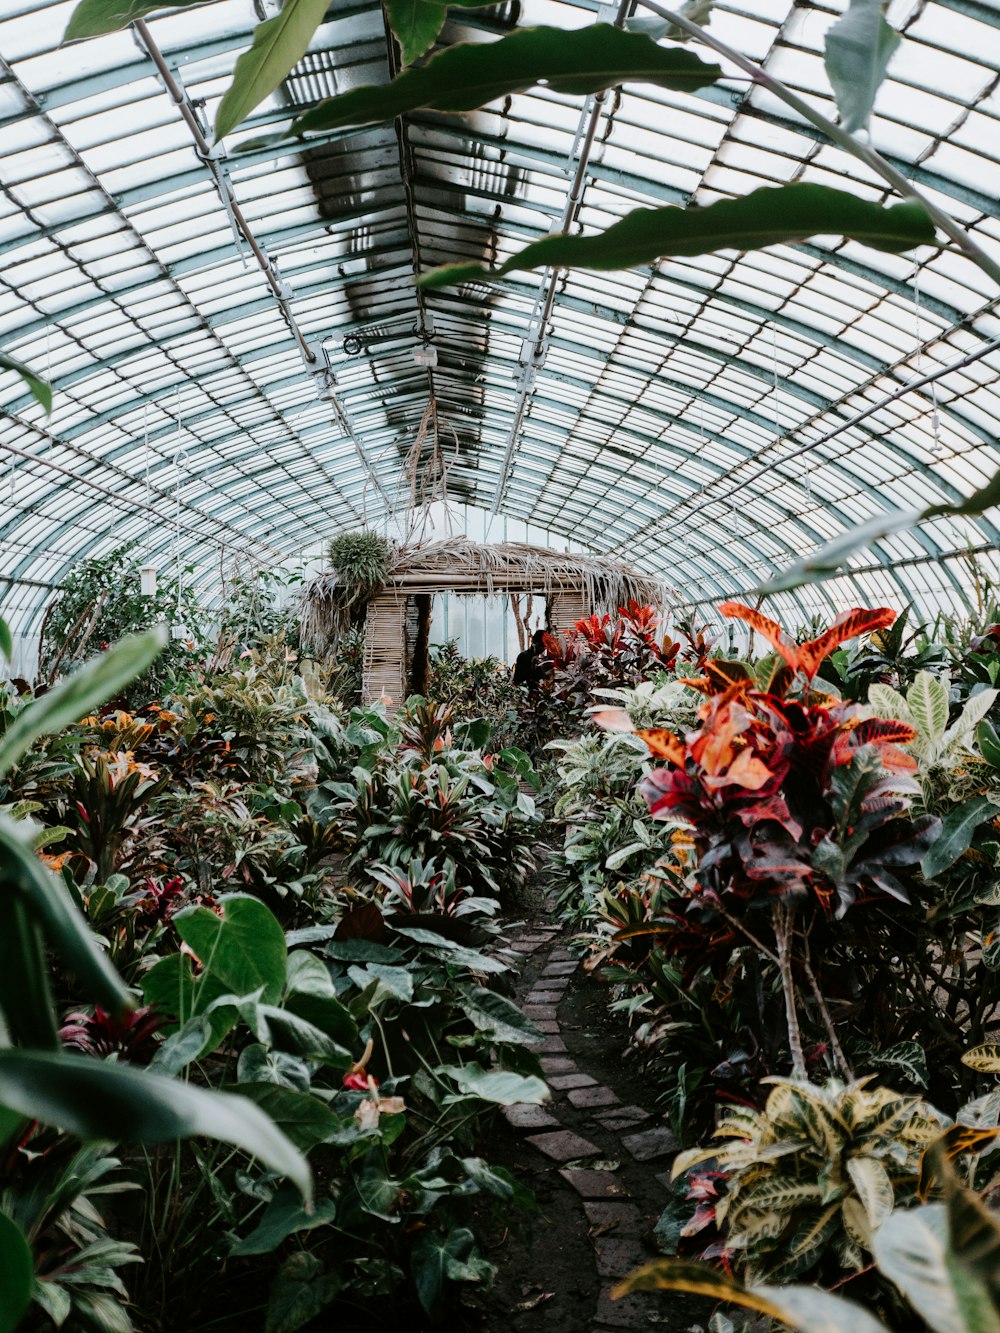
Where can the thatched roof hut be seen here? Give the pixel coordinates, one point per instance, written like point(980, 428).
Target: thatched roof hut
point(397, 610)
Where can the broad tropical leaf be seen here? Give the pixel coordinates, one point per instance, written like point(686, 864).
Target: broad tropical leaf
point(984, 1059)
point(95, 1099)
point(908, 1057)
point(858, 50)
point(928, 701)
point(772, 215)
point(416, 23)
point(723, 674)
point(278, 45)
point(284, 1216)
point(828, 559)
point(883, 731)
point(470, 75)
point(848, 625)
point(664, 744)
point(244, 950)
point(302, 1290)
point(73, 698)
point(912, 1249)
point(439, 1257)
point(807, 1308)
point(499, 1085)
point(955, 838)
point(17, 1274)
point(768, 629)
point(989, 743)
point(92, 18)
point(47, 901)
point(888, 702)
point(40, 390)
point(874, 1188)
point(494, 1013)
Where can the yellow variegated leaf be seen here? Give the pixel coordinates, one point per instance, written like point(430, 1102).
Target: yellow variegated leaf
point(810, 1238)
point(775, 1150)
point(871, 1180)
point(781, 1195)
point(685, 1160)
point(984, 1059)
point(856, 1222)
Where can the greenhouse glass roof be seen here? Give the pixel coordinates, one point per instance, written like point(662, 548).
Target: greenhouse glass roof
point(708, 419)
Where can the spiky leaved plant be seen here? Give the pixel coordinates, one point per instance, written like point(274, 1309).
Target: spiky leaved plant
point(362, 560)
point(811, 1177)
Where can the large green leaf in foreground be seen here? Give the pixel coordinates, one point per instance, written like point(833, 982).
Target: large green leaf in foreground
point(772, 215)
point(17, 1274)
point(468, 75)
point(97, 1100)
point(40, 389)
point(93, 18)
point(828, 559)
point(278, 44)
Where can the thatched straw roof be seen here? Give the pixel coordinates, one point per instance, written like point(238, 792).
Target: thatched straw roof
point(463, 567)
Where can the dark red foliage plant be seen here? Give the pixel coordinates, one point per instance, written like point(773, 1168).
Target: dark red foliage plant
point(798, 806)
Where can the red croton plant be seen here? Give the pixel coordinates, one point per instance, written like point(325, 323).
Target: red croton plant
point(798, 804)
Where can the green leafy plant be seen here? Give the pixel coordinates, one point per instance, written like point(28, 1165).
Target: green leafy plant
point(941, 1258)
point(811, 1177)
point(362, 559)
point(83, 1096)
point(51, 1189)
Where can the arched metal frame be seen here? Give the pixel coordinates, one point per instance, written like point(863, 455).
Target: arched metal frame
point(673, 414)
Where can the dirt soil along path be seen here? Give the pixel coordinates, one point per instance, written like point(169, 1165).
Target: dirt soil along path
point(596, 1158)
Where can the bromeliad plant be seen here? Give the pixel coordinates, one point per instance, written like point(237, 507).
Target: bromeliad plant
point(798, 806)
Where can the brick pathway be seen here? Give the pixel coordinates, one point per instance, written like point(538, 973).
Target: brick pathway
point(585, 1123)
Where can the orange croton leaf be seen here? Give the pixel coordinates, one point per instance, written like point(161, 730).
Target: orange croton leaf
point(770, 629)
point(664, 744)
point(700, 683)
point(746, 770)
point(883, 731)
point(808, 657)
point(723, 675)
point(848, 625)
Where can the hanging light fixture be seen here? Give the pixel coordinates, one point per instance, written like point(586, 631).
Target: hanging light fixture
point(147, 580)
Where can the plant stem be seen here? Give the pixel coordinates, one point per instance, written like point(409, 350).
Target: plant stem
point(747, 934)
point(864, 152)
point(781, 915)
point(824, 1012)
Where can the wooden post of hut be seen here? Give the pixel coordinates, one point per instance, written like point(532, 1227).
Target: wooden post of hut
point(384, 662)
point(565, 607)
